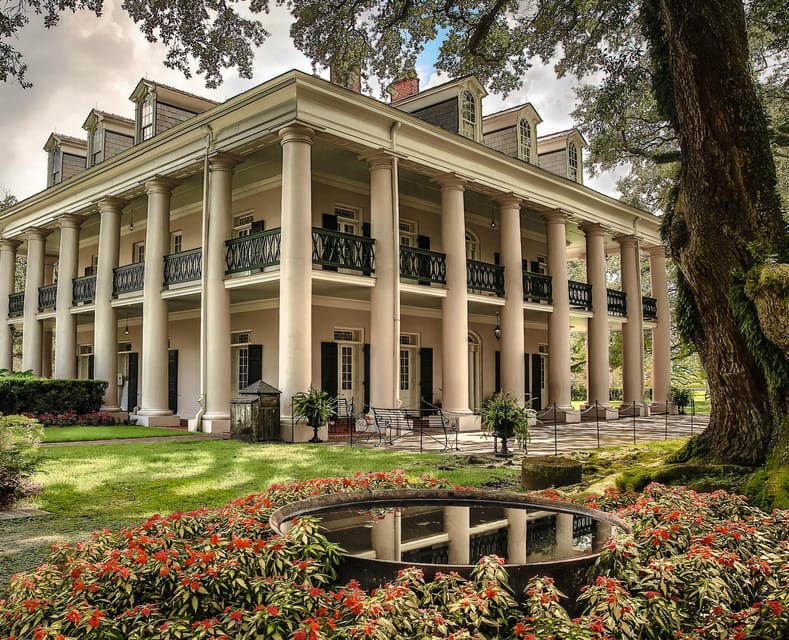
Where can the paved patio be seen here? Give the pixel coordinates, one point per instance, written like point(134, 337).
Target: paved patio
point(547, 440)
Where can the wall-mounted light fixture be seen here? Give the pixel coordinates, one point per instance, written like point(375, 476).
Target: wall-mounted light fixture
point(126, 330)
point(131, 220)
point(492, 218)
point(497, 329)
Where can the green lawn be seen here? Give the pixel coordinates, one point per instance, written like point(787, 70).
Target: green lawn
point(114, 432)
point(93, 486)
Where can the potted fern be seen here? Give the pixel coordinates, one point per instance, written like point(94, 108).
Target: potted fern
point(316, 407)
point(506, 416)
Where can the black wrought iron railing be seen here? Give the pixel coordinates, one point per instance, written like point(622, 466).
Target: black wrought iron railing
point(128, 278)
point(649, 306)
point(16, 304)
point(617, 302)
point(183, 266)
point(423, 265)
point(541, 533)
point(255, 251)
point(438, 554)
point(537, 287)
point(580, 294)
point(339, 250)
point(583, 526)
point(485, 544)
point(483, 276)
point(83, 289)
point(47, 296)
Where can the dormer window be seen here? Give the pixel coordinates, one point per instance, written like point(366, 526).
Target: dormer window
point(524, 140)
point(147, 116)
point(468, 115)
point(97, 144)
point(572, 161)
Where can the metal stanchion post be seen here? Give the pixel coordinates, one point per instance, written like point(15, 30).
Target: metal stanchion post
point(597, 421)
point(666, 436)
point(292, 424)
point(692, 413)
point(555, 438)
point(634, 421)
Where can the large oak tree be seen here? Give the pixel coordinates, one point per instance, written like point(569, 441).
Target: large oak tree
point(673, 79)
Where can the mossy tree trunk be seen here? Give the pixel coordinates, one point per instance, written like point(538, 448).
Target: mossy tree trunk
point(726, 220)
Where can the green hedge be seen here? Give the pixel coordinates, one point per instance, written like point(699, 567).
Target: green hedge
point(26, 394)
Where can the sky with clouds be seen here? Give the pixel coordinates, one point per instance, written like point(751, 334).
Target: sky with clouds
point(88, 62)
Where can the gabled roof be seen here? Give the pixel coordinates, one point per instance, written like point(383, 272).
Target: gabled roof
point(173, 96)
point(108, 118)
point(558, 140)
point(509, 117)
point(68, 144)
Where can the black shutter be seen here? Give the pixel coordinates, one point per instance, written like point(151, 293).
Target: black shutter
point(329, 368)
point(366, 377)
point(426, 374)
point(367, 230)
point(524, 264)
point(329, 253)
point(497, 370)
point(535, 266)
point(423, 242)
point(536, 376)
point(255, 371)
point(90, 367)
point(172, 380)
point(526, 388)
point(497, 258)
point(134, 372)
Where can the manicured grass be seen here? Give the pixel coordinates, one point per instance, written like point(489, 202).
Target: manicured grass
point(92, 486)
point(109, 432)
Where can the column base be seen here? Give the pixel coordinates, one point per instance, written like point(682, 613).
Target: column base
point(216, 426)
point(158, 421)
point(564, 415)
point(123, 416)
point(300, 432)
point(110, 408)
point(659, 408)
point(601, 412)
point(626, 410)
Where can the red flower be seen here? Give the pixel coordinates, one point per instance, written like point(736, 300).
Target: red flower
point(272, 610)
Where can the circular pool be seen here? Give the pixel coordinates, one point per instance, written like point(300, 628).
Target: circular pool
point(381, 532)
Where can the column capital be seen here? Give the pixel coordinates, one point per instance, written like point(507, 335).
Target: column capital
point(657, 250)
point(223, 161)
point(508, 201)
point(296, 133)
point(111, 205)
point(379, 160)
point(555, 216)
point(159, 184)
point(9, 244)
point(593, 229)
point(70, 221)
point(626, 241)
point(36, 233)
point(450, 182)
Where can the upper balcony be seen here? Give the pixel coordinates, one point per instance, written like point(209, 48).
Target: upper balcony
point(184, 266)
point(649, 308)
point(617, 302)
point(483, 276)
point(580, 294)
point(128, 278)
point(47, 296)
point(423, 265)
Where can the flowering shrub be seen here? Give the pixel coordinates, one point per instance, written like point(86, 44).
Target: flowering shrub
point(19, 438)
point(696, 566)
point(71, 418)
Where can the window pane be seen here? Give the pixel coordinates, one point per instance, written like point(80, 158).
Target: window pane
point(405, 362)
point(346, 368)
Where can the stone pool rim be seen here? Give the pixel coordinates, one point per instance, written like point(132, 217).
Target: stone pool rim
point(392, 498)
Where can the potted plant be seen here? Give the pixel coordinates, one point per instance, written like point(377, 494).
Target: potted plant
point(316, 407)
point(506, 416)
point(680, 396)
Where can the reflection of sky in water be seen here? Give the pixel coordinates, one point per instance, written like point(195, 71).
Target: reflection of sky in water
point(462, 535)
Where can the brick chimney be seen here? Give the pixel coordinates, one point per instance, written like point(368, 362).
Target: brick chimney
point(351, 79)
point(403, 88)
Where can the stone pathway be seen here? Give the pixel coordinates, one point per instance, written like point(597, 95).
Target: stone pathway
point(23, 512)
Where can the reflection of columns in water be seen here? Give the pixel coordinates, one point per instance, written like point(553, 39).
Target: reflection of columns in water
point(564, 535)
point(385, 536)
point(516, 535)
point(456, 524)
point(602, 531)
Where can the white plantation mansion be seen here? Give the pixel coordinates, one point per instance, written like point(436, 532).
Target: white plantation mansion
point(307, 235)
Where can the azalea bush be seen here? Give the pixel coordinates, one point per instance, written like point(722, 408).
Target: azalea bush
point(695, 566)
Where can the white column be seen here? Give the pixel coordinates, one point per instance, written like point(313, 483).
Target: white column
point(597, 367)
point(661, 335)
point(559, 320)
point(385, 536)
point(7, 281)
point(65, 322)
point(217, 307)
point(457, 522)
point(564, 535)
point(633, 329)
point(383, 328)
point(154, 410)
point(105, 336)
point(512, 340)
point(295, 290)
point(34, 278)
point(454, 316)
point(516, 535)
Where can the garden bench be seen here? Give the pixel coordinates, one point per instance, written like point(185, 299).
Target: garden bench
point(429, 422)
